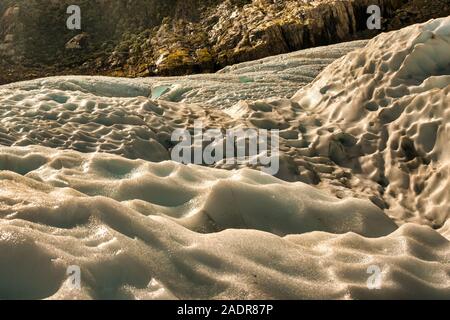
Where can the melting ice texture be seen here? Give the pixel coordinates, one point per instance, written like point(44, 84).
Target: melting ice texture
point(86, 180)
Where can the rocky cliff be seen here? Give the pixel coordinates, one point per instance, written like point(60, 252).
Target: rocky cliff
point(172, 37)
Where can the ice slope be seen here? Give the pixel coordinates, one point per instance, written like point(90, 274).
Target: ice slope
point(278, 76)
point(85, 180)
point(391, 99)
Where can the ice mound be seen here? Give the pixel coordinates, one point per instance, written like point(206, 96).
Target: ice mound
point(126, 225)
point(86, 181)
point(201, 199)
point(388, 102)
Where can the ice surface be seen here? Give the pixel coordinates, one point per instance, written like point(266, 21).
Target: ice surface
point(392, 98)
point(279, 76)
point(130, 223)
point(86, 180)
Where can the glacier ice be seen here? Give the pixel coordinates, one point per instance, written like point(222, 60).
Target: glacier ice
point(86, 179)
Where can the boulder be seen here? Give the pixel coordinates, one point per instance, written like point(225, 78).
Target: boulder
point(80, 41)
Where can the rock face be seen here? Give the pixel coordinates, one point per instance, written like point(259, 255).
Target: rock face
point(417, 11)
point(173, 37)
point(8, 28)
